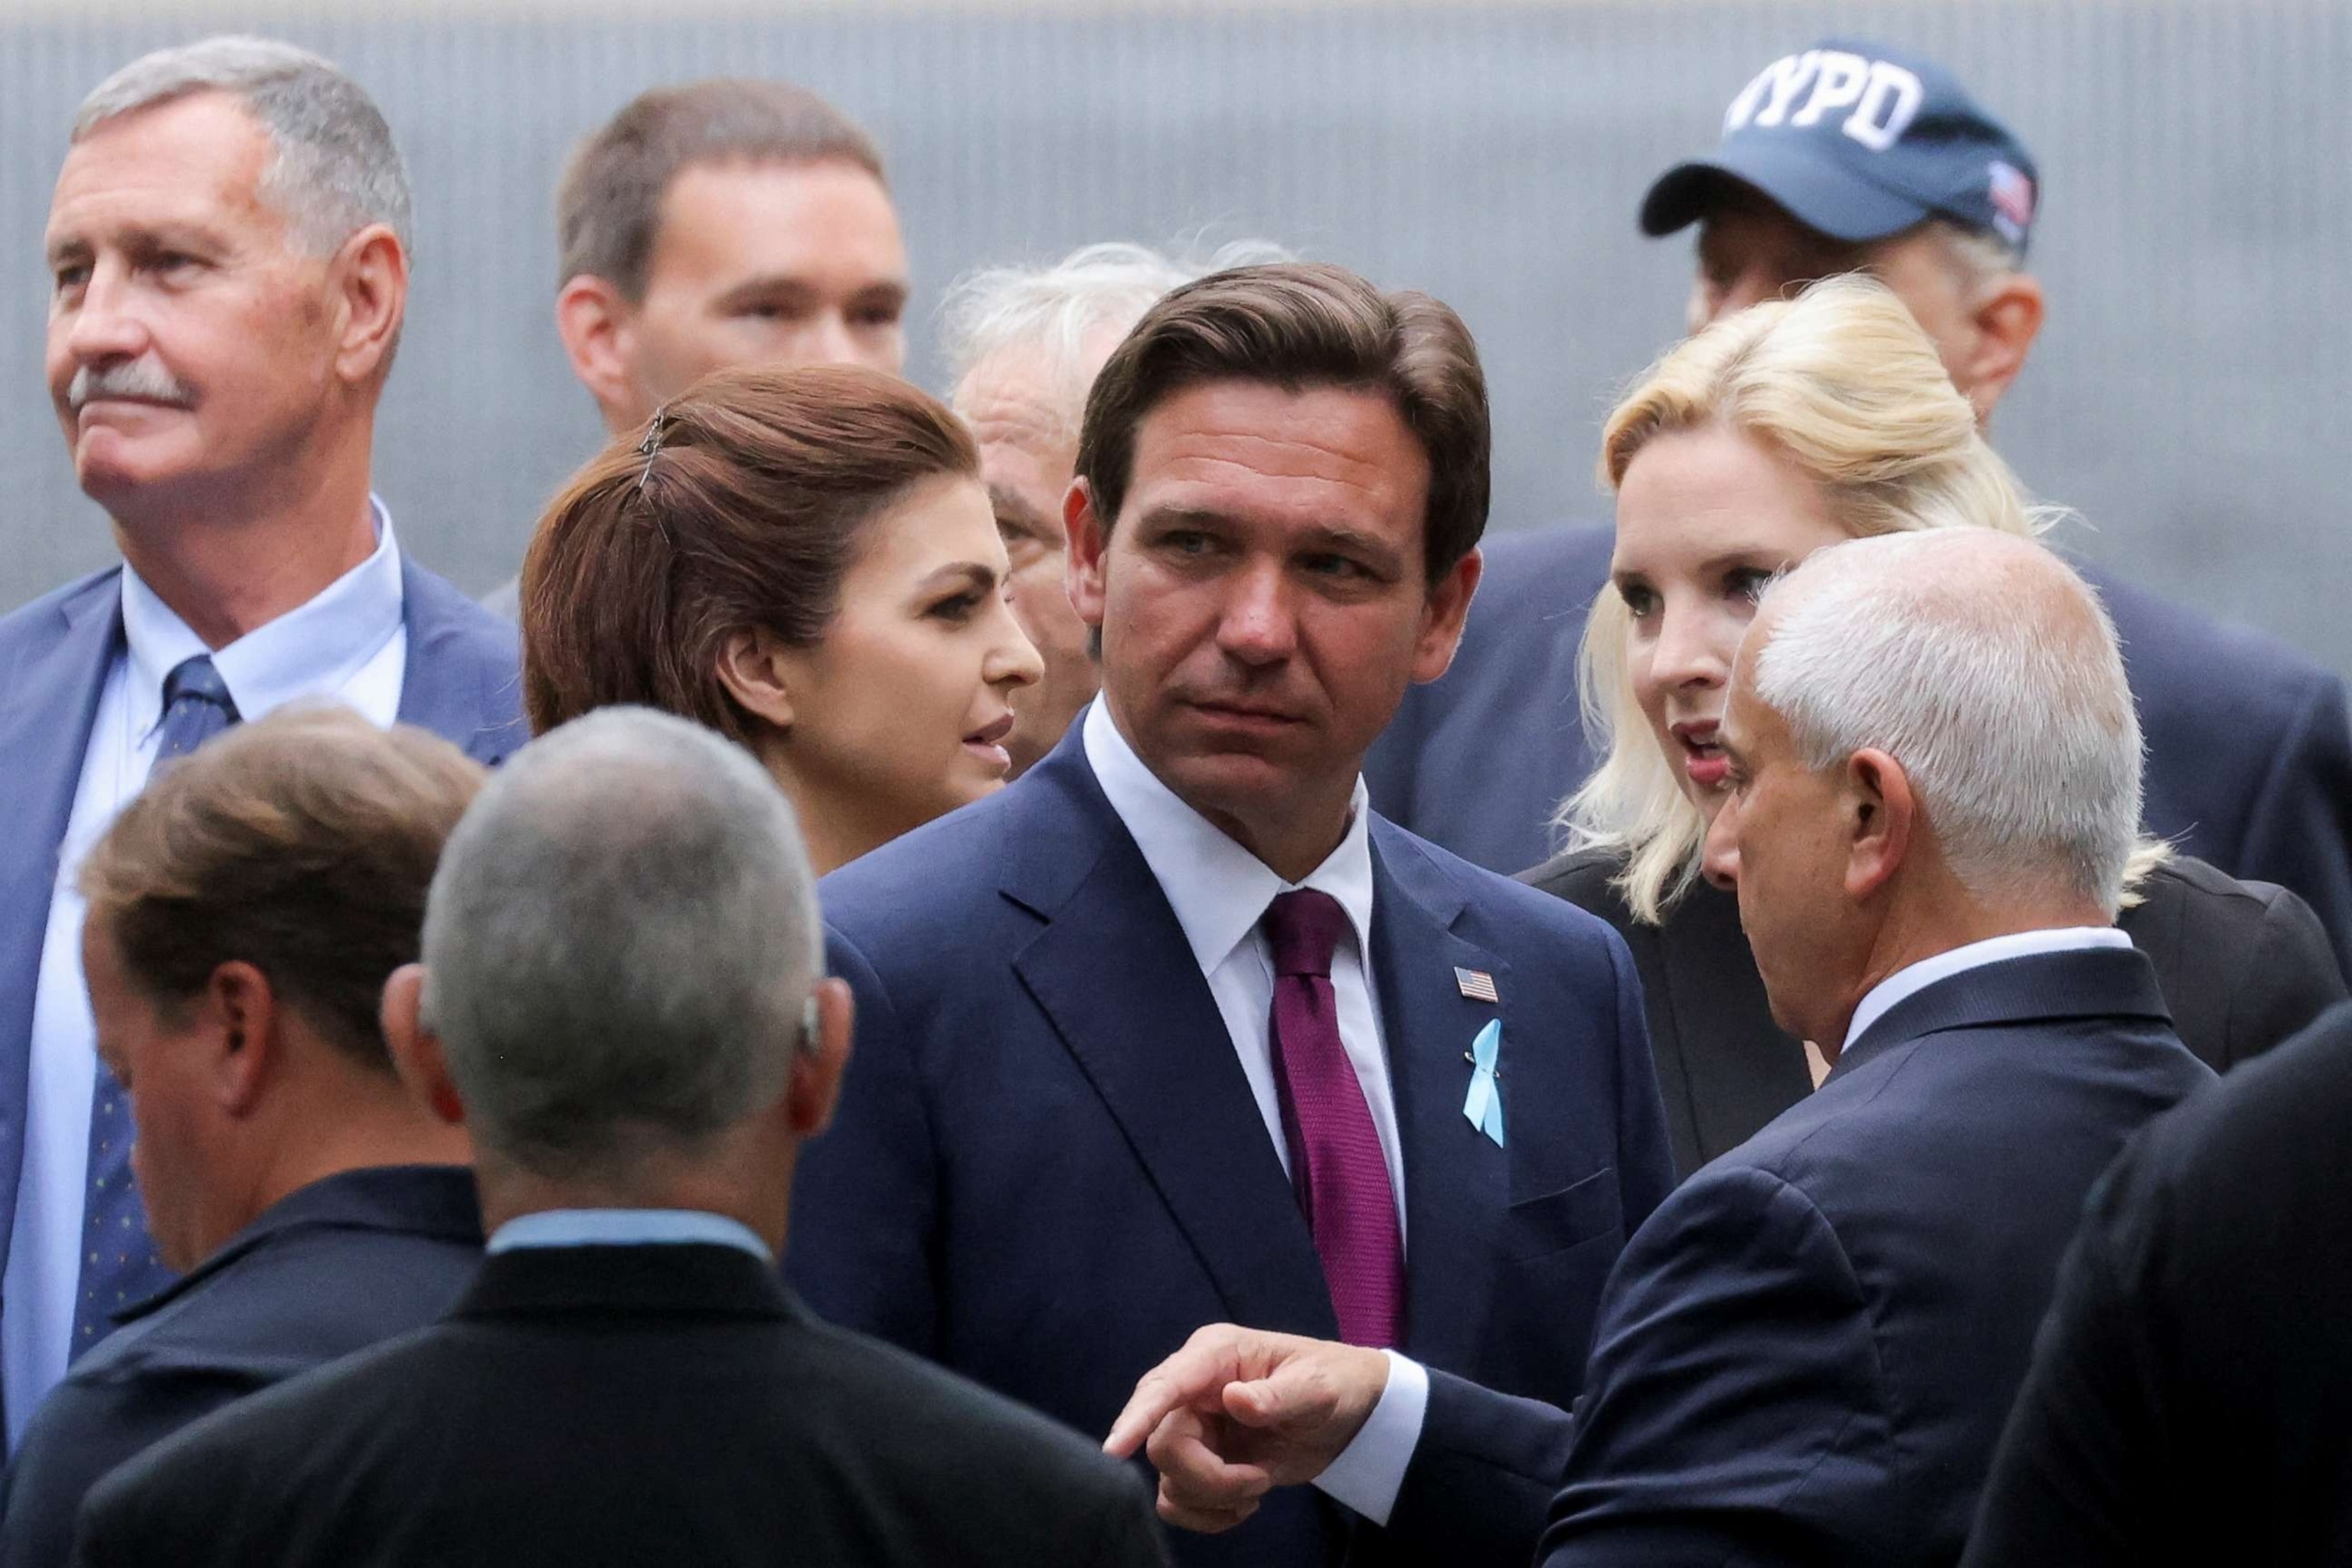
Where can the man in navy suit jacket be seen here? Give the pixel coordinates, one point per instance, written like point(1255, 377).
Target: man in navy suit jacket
point(1805, 1355)
point(217, 344)
point(248, 909)
point(1103, 1094)
point(2250, 758)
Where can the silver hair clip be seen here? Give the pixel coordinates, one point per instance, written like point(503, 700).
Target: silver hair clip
point(650, 447)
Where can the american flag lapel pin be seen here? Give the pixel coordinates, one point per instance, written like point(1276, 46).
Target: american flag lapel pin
point(1476, 984)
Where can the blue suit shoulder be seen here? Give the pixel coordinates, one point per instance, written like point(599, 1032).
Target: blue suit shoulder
point(33, 626)
point(927, 885)
point(1499, 909)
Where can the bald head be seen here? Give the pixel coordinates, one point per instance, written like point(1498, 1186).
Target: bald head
point(1987, 670)
point(620, 945)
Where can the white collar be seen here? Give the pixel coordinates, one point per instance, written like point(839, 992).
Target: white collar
point(1218, 889)
point(1912, 979)
point(316, 647)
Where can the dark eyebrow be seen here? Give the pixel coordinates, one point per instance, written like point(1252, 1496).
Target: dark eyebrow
point(1186, 517)
point(978, 575)
point(784, 286)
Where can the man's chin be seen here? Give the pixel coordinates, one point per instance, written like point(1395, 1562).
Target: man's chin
point(112, 467)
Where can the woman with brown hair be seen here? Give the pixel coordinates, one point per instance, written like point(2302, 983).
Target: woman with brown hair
point(805, 560)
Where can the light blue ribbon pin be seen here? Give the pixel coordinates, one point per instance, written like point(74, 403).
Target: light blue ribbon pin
point(1485, 1106)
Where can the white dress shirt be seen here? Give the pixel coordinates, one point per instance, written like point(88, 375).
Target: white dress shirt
point(348, 643)
point(1219, 892)
point(1913, 978)
point(1374, 1464)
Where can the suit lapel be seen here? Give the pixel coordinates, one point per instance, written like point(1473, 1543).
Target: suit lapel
point(1456, 1182)
point(1113, 972)
point(461, 679)
point(47, 705)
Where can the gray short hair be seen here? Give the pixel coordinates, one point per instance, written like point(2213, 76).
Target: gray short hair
point(1056, 312)
point(620, 945)
point(1978, 256)
point(1988, 669)
point(336, 169)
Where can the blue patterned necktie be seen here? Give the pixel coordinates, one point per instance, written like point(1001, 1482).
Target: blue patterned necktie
point(118, 1263)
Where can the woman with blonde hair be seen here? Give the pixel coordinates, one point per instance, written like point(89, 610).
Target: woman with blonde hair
point(1777, 431)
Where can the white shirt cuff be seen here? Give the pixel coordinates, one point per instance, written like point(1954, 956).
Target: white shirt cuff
point(1369, 1470)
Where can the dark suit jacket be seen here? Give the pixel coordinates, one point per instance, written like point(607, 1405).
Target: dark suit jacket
point(2189, 1392)
point(462, 681)
point(2249, 755)
point(1805, 1355)
point(1048, 1170)
point(2241, 965)
point(326, 1271)
point(625, 1406)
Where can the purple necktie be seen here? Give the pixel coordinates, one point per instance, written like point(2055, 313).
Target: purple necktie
point(119, 1263)
point(1336, 1164)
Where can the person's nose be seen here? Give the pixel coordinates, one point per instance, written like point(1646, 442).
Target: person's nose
point(831, 342)
point(1260, 623)
point(1691, 650)
point(105, 324)
point(1013, 660)
point(1720, 857)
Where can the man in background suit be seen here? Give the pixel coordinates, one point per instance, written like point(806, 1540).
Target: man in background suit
point(722, 223)
point(1174, 1028)
point(1850, 156)
point(1805, 1354)
point(228, 247)
point(245, 913)
point(620, 1000)
point(2187, 1399)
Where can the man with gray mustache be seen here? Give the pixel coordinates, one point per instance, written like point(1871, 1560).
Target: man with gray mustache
point(228, 258)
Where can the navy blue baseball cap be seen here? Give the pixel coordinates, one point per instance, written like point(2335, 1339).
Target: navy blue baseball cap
point(1859, 142)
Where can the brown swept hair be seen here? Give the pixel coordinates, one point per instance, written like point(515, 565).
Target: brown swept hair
point(608, 207)
point(741, 508)
point(1300, 325)
point(302, 844)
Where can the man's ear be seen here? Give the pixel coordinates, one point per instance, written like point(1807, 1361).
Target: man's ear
point(1445, 616)
point(241, 1013)
point(597, 326)
point(758, 669)
point(1881, 816)
point(1089, 534)
point(2007, 319)
point(370, 274)
point(815, 1085)
point(416, 1054)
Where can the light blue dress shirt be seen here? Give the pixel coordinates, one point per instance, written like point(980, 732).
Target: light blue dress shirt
point(348, 644)
point(628, 1227)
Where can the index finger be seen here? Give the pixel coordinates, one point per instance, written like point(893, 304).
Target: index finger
point(1195, 1374)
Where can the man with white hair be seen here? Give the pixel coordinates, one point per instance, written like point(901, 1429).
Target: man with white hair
point(228, 251)
point(620, 1000)
point(1024, 344)
point(1805, 1354)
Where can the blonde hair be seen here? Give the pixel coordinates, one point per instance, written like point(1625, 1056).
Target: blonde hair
point(1842, 381)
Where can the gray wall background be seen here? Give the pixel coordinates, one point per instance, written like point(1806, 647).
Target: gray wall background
point(2197, 243)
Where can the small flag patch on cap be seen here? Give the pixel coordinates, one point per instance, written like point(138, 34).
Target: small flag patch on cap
point(1476, 984)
